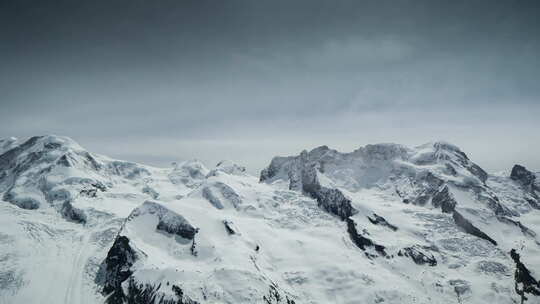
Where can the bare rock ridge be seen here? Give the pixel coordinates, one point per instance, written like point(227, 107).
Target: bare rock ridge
point(363, 242)
point(117, 268)
point(525, 283)
point(379, 220)
point(303, 175)
point(523, 176)
point(466, 225)
point(529, 182)
point(418, 255)
point(168, 221)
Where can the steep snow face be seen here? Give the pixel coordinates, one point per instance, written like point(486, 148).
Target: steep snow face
point(382, 224)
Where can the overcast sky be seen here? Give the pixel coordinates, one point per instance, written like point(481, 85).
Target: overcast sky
point(159, 81)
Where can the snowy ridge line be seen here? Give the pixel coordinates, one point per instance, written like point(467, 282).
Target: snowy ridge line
point(319, 227)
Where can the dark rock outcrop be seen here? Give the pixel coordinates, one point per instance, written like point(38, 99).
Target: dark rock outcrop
point(230, 227)
point(525, 283)
point(144, 293)
point(302, 174)
point(179, 228)
point(169, 221)
point(275, 297)
point(331, 200)
point(463, 223)
point(117, 268)
point(523, 176)
point(417, 254)
point(496, 206)
point(150, 191)
point(361, 241)
point(445, 200)
point(92, 193)
point(426, 185)
point(527, 180)
point(523, 228)
point(73, 214)
point(379, 220)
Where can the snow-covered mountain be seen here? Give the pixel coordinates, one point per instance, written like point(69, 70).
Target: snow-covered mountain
point(382, 224)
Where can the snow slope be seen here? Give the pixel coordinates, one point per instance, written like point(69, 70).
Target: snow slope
point(382, 224)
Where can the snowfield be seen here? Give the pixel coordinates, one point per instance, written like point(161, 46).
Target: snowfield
point(382, 224)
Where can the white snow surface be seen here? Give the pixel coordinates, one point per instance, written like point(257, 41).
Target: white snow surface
point(282, 239)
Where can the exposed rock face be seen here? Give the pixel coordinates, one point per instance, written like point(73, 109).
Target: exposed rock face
point(117, 268)
point(525, 283)
point(528, 181)
point(329, 199)
point(470, 228)
point(333, 201)
point(302, 175)
point(495, 205)
point(275, 297)
point(522, 227)
point(417, 254)
point(361, 241)
point(379, 220)
point(523, 176)
point(148, 293)
point(151, 192)
point(221, 195)
point(230, 227)
point(73, 214)
point(444, 199)
point(169, 221)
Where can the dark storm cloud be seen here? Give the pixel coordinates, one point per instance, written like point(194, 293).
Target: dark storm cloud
point(249, 79)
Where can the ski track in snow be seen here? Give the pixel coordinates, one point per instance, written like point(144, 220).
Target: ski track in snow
point(75, 287)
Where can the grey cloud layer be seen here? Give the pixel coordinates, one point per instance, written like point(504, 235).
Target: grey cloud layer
point(249, 79)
